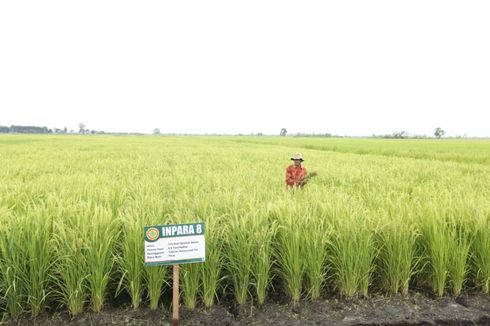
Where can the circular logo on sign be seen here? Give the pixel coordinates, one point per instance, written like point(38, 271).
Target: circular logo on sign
point(152, 234)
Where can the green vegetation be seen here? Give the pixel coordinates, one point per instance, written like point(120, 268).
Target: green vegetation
point(383, 216)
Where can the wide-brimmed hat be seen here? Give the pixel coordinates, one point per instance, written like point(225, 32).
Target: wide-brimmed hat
point(297, 156)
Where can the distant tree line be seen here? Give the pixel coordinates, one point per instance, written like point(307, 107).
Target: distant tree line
point(43, 130)
point(398, 135)
point(301, 134)
point(439, 132)
point(25, 130)
point(284, 132)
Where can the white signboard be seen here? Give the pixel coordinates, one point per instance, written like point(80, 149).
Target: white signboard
point(174, 244)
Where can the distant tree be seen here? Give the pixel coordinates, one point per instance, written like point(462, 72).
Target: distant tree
point(82, 126)
point(156, 131)
point(65, 130)
point(439, 132)
point(283, 132)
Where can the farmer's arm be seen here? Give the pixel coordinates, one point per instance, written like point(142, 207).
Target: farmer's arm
point(303, 178)
point(307, 177)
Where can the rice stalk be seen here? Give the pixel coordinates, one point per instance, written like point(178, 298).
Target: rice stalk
point(99, 245)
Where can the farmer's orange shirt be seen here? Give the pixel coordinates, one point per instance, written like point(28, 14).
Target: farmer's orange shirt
point(294, 175)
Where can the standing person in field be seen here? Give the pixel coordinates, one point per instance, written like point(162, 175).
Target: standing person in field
point(296, 175)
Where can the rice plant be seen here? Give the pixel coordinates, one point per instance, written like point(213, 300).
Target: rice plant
point(352, 253)
point(315, 241)
point(263, 235)
point(397, 259)
point(99, 245)
point(460, 244)
point(71, 266)
point(155, 277)
point(481, 252)
point(13, 265)
point(289, 252)
point(40, 258)
point(131, 260)
point(190, 283)
point(211, 270)
point(437, 248)
point(239, 254)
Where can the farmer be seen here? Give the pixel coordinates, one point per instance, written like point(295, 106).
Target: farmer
point(296, 175)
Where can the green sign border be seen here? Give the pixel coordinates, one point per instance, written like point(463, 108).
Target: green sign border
point(159, 227)
point(175, 262)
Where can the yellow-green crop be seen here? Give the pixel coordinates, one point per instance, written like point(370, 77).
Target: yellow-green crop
point(382, 216)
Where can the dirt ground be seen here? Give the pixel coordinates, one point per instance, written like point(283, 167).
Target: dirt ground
point(412, 310)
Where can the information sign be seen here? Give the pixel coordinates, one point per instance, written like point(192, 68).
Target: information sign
point(174, 244)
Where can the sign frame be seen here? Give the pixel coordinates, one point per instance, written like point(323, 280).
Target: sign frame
point(154, 234)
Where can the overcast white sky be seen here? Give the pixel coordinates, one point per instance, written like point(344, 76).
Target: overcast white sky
point(343, 67)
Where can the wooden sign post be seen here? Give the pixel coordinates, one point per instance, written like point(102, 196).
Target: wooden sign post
point(173, 245)
point(175, 297)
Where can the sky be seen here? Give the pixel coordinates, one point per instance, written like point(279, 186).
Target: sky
point(341, 67)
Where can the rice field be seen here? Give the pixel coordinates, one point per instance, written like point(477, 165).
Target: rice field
point(382, 216)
